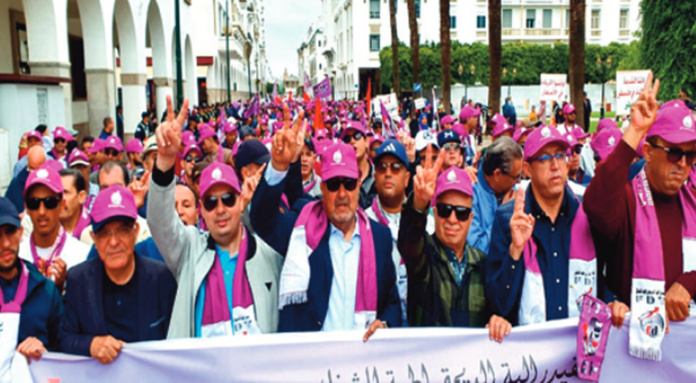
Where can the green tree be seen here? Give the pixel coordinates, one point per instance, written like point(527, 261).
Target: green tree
point(668, 43)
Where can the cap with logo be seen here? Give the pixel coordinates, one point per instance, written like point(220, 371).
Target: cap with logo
point(78, 157)
point(569, 108)
point(606, 123)
point(376, 138)
point(500, 125)
point(519, 133)
point(205, 131)
point(114, 202)
point(455, 179)
point(354, 125)
point(446, 136)
point(34, 134)
point(60, 132)
point(218, 174)
point(541, 137)
point(134, 145)
point(572, 141)
point(46, 175)
point(394, 148)
point(447, 120)
point(113, 142)
point(8, 213)
point(425, 138)
point(579, 133)
point(467, 112)
point(605, 142)
point(674, 123)
point(97, 146)
point(338, 160)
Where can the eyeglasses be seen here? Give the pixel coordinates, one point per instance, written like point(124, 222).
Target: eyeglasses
point(546, 159)
point(334, 183)
point(674, 155)
point(191, 159)
point(355, 136)
point(211, 202)
point(120, 231)
point(577, 149)
point(111, 152)
point(451, 146)
point(394, 166)
point(444, 210)
point(517, 178)
point(59, 141)
point(50, 203)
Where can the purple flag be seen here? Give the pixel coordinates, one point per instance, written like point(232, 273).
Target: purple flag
point(275, 90)
point(253, 109)
point(323, 89)
point(389, 128)
point(223, 119)
point(307, 83)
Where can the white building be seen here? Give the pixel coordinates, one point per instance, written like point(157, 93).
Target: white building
point(357, 30)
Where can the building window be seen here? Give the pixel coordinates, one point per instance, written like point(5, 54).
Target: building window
point(623, 19)
point(453, 22)
point(547, 19)
point(374, 9)
point(595, 19)
point(418, 4)
point(481, 22)
point(319, 43)
point(319, 66)
point(507, 18)
point(531, 18)
point(374, 43)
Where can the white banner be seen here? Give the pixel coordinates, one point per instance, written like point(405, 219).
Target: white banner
point(390, 102)
point(553, 87)
point(629, 84)
point(537, 353)
point(419, 103)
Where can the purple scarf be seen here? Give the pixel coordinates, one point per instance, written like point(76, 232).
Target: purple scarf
point(82, 223)
point(308, 232)
point(582, 273)
point(216, 313)
point(56, 248)
point(648, 318)
point(15, 306)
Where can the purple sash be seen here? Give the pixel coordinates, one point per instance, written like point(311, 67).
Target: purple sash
point(311, 185)
point(82, 223)
point(57, 247)
point(15, 306)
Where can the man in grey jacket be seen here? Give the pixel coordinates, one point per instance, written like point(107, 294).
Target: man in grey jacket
point(227, 278)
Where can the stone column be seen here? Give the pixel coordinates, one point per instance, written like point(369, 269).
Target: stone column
point(163, 87)
point(101, 101)
point(61, 70)
point(134, 102)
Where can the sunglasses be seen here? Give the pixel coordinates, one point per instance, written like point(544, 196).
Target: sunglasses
point(444, 210)
point(50, 203)
point(355, 136)
point(211, 202)
point(451, 146)
point(577, 149)
point(335, 183)
point(59, 141)
point(547, 158)
point(395, 167)
point(191, 159)
point(674, 155)
point(111, 152)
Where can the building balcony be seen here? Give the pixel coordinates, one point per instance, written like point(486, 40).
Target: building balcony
point(624, 33)
point(534, 2)
point(534, 32)
point(237, 40)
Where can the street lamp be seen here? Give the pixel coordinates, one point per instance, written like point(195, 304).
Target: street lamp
point(227, 48)
point(472, 70)
point(604, 67)
point(504, 76)
point(460, 70)
point(247, 53)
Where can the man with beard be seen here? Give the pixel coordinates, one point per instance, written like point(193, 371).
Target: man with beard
point(355, 135)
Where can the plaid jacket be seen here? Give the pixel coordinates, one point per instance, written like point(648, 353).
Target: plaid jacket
point(434, 297)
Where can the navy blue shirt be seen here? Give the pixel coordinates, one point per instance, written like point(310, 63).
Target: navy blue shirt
point(504, 276)
point(121, 308)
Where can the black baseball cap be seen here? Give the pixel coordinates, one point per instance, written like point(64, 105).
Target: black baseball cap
point(8, 213)
point(251, 151)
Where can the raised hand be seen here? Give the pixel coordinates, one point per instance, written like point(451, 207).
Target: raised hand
point(168, 135)
point(426, 179)
point(300, 141)
point(521, 226)
point(644, 109)
point(249, 187)
point(139, 188)
point(409, 144)
point(285, 141)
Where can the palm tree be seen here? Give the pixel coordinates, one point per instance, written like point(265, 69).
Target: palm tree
point(445, 54)
point(576, 57)
point(494, 51)
point(415, 56)
point(395, 47)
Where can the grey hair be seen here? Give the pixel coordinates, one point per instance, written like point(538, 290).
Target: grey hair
point(500, 155)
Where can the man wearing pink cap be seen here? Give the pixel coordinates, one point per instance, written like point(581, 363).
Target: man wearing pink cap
point(49, 246)
point(645, 226)
point(61, 137)
point(190, 156)
point(230, 131)
point(119, 297)
point(113, 148)
point(33, 139)
point(338, 273)
point(79, 161)
point(133, 149)
point(541, 257)
point(227, 278)
point(208, 141)
point(501, 128)
point(469, 118)
point(355, 135)
point(569, 115)
point(447, 122)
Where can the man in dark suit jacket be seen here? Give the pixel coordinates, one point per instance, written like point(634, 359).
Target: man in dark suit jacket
point(587, 105)
point(334, 256)
point(120, 296)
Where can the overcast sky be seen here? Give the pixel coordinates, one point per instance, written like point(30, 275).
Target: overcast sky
point(287, 23)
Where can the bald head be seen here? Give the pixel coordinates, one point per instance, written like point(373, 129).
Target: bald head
point(35, 157)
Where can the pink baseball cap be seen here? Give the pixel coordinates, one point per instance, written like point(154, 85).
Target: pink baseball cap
point(572, 141)
point(568, 108)
point(447, 120)
point(606, 141)
point(674, 123)
point(60, 132)
point(78, 157)
point(114, 202)
point(113, 142)
point(97, 146)
point(579, 133)
point(205, 132)
point(219, 174)
point(354, 125)
point(34, 134)
point(501, 126)
point(188, 138)
point(134, 145)
point(376, 138)
point(191, 147)
point(338, 160)
point(460, 129)
point(468, 112)
point(540, 137)
point(46, 175)
point(456, 179)
point(606, 123)
point(229, 128)
point(519, 133)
